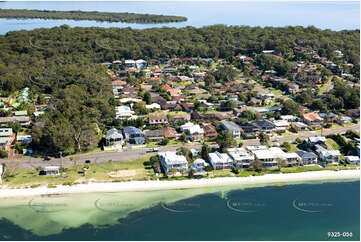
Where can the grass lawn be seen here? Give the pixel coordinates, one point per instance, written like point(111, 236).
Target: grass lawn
point(300, 169)
point(98, 171)
point(293, 148)
point(324, 86)
point(332, 145)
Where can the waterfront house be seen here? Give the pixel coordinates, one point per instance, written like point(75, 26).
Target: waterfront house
point(220, 161)
point(242, 158)
point(232, 127)
point(133, 135)
point(113, 137)
point(352, 159)
point(171, 160)
point(307, 158)
point(50, 170)
point(328, 156)
point(291, 159)
point(268, 159)
point(198, 165)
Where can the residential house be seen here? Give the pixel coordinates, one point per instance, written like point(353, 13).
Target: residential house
point(209, 131)
point(170, 132)
point(265, 126)
point(352, 159)
point(300, 126)
point(249, 129)
point(242, 158)
point(188, 107)
point(328, 156)
point(130, 63)
point(153, 106)
point(181, 117)
point(22, 120)
point(316, 140)
point(123, 112)
point(288, 118)
point(193, 131)
point(220, 161)
point(281, 125)
point(51, 170)
point(154, 135)
point(307, 158)
point(113, 137)
point(198, 165)
point(293, 87)
point(267, 158)
point(171, 160)
point(232, 127)
point(158, 119)
point(312, 119)
point(5, 136)
point(133, 135)
point(24, 139)
point(353, 113)
point(290, 159)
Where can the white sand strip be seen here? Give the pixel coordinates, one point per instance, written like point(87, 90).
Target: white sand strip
point(193, 183)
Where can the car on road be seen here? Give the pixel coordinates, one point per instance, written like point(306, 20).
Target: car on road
point(47, 158)
point(87, 162)
point(153, 150)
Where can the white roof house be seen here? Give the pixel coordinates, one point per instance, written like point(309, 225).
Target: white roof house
point(170, 160)
point(6, 132)
point(25, 139)
point(123, 112)
point(281, 123)
point(316, 139)
point(256, 147)
point(220, 160)
point(279, 153)
point(153, 106)
point(194, 131)
point(329, 156)
point(241, 157)
point(198, 165)
point(288, 118)
point(352, 159)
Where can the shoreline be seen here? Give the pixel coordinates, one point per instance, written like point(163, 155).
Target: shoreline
point(269, 179)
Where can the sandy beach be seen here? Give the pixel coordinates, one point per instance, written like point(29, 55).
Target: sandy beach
point(194, 183)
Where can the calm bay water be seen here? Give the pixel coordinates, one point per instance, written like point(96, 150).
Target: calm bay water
point(324, 15)
point(282, 212)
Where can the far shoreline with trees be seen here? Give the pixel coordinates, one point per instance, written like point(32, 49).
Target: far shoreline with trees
point(91, 15)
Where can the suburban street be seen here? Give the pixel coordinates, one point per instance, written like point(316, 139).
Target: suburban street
point(141, 152)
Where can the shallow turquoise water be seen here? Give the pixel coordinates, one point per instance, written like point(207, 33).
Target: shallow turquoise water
point(324, 15)
point(287, 212)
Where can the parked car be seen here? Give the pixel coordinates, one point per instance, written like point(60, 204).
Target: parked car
point(153, 150)
point(87, 162)
point(47, 158)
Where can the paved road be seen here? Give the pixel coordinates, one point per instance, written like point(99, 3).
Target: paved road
point(137, 153)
